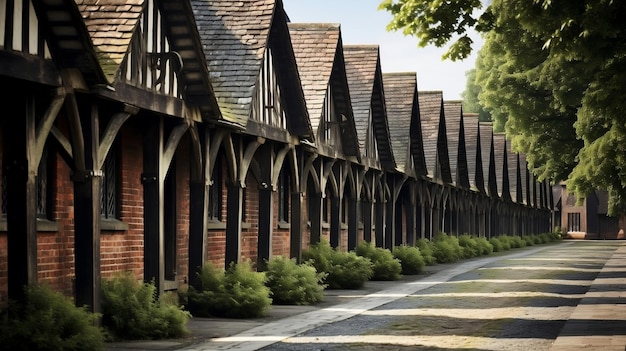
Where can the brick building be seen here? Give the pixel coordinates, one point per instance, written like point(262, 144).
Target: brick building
point(154, 136)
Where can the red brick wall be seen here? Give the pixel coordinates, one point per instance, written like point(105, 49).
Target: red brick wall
point(250, 233)
point(216, 235)
point(123, 250)
point(182, 210)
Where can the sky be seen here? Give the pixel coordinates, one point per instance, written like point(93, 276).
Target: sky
point(362, 23)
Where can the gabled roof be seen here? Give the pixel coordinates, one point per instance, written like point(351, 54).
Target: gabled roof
point(456, 143)
point(487, 157)
point(111, 24)
point(65, 27)
point(319, 54)
point(472, 150)
point(235, 37)
point(524, 179)
point(513, 164)
point(533, 190)
point(367, 94)
point(184, 39)
point(500, 158)
point(434, 135)
point(402, 110)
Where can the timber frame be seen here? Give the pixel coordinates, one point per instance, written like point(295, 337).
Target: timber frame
point(220, 133)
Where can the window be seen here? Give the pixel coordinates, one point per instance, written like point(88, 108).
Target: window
point(283, 197)
point(43, 204)
point(108, 187)
point(215, 193)
point(573, 222)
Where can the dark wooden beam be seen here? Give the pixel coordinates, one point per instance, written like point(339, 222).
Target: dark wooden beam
point(265, 156)
point(21, 191)
point(315, 216)
point(335, 225)
point(153, 193)
point(28, 67)
point(265, 225)
point(367, 220)
point(380, 223)
point(198, 203)
point(295, 222)
point(390, 221)
point(87, 183)
point(398, 225)
point(353, 224)
point(410, 223)
point(234, 200)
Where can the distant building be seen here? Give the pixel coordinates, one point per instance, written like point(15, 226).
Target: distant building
point(588, 220)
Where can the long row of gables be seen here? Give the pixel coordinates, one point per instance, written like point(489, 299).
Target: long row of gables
point(154, 136)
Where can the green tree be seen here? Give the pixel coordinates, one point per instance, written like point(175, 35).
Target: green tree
point(552, 72)
point(438, 22)
point(471, 103)
point(511, 70)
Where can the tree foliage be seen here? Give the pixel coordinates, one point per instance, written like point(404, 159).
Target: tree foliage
point(471, 104)
point(438, 22)
point(551, 73)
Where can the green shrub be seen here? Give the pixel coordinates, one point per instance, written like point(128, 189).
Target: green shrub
point(426, 249)
point(529, 240)
point(557, 234)
point(517, 242)
point(291, 283)
point(349, 271)
point(545, 238)
point(48, 321)
point(237, 292)
point(384, 264)
point(410, 258)
point(345, 270)
point(496, 243)
point(469, 245)
point(132, 310)
point(447, 248)
point(506, 242)
point(484, 246)
point(319, 255)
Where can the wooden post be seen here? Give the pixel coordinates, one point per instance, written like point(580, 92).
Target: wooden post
point(234, 199)
point(87, 237)
point(380, 223)
point(315, 213)
point(390, 220)
point(367, 220)
point(153, 193)
point(21, 188)
point(295, 235)
point(398, 234)
point(353, 224)
point(267, 181)
point(198, 209)
point(266, 213)
point(410, 223)
point(335, 226)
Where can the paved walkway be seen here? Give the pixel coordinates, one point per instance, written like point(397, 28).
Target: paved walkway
point(597, 323)
point(599, 320)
